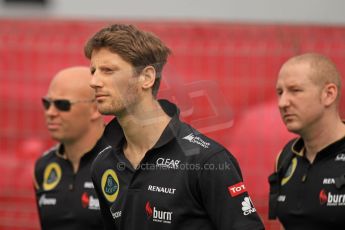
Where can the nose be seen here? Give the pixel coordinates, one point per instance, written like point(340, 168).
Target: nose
point(51, 111)
point(95, 81)
point(283, 100)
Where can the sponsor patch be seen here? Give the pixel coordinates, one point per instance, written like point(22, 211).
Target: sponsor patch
point(167, 163)
point(88, 184)
point(192, 138)
point(46, 201)
point(110, 185)
point(340, 157)
point(328, 181)
point(89, 202)
point(158, 215)
point(237, 189)
point(247, 206)
point(329, 199)
point(159, 189)
point(281, 198)
point(52, 176)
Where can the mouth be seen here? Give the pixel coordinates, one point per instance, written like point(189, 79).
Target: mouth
point(100, 97)
point(53, 126)
point(288, 117)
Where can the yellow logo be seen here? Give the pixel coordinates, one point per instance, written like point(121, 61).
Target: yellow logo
point(110, 185)
point(51, 177)
point(290, 171)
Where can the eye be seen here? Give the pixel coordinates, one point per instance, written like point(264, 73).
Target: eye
point(296, 90)
point(92, 71)
point(279, 92)
point(108, 70)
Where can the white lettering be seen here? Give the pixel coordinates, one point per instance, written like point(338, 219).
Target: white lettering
point(168, 163)
point(340, 157)
point(116, 214)
point(161, 216)
point(88, 184)
point(197, 140)
point(46, 201)
point(328, 181)
point(335, 199)
point(161, 189)
point(281, 198)
point(93, 203)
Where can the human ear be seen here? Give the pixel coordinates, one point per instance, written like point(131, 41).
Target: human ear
point(148, 76)
point(330, 93)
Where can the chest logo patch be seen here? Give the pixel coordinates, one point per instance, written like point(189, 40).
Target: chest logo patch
point(110, 185)
point(340, 157)
point(331, 199)
point(52, 176)
point(290, 171)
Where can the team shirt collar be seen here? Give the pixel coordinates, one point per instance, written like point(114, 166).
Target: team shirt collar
point(115, 137)
point(298, 148)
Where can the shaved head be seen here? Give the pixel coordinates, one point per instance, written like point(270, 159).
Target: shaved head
point(322, 70)
point(73, 83)
point(81, 118)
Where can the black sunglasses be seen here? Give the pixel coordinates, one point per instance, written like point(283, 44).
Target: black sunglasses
point(62, 104)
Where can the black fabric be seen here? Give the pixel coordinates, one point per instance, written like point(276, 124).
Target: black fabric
point(66, 200)
point(275, 178)
point(311, 195)
point(173, 187)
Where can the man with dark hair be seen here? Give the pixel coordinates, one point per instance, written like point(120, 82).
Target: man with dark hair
point(66, 197)
point(154, 171)
point(308, 187)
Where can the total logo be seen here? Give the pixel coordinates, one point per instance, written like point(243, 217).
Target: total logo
point(89, 202)
point(158, 215)
point(247, 206)
point(331, 199)
point(237, 189)
point(197, 140)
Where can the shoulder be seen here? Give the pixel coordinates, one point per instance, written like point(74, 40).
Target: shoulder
point(286, 152)
point(47, 156)
point(200, 147)
point(104, 154)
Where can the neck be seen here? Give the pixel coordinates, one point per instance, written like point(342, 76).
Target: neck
point(323, 135)
point(142, 129)
point(75, 150)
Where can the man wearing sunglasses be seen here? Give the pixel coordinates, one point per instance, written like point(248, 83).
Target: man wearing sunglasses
point(154, 171)
point(66, 198)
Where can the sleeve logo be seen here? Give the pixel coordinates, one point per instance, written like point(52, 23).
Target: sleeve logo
point(51, 177)
point(247, 206)
point(110, 185)
point(237, 189)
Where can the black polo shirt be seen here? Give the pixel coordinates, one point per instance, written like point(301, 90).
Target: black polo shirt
point(313, 195)
point(66, 200)
point(186, 181)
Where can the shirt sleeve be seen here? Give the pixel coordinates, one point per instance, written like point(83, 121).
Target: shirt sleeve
point(224, 194)
point(105, 211)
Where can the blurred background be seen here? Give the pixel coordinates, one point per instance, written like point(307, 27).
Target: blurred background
point(226, 55)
